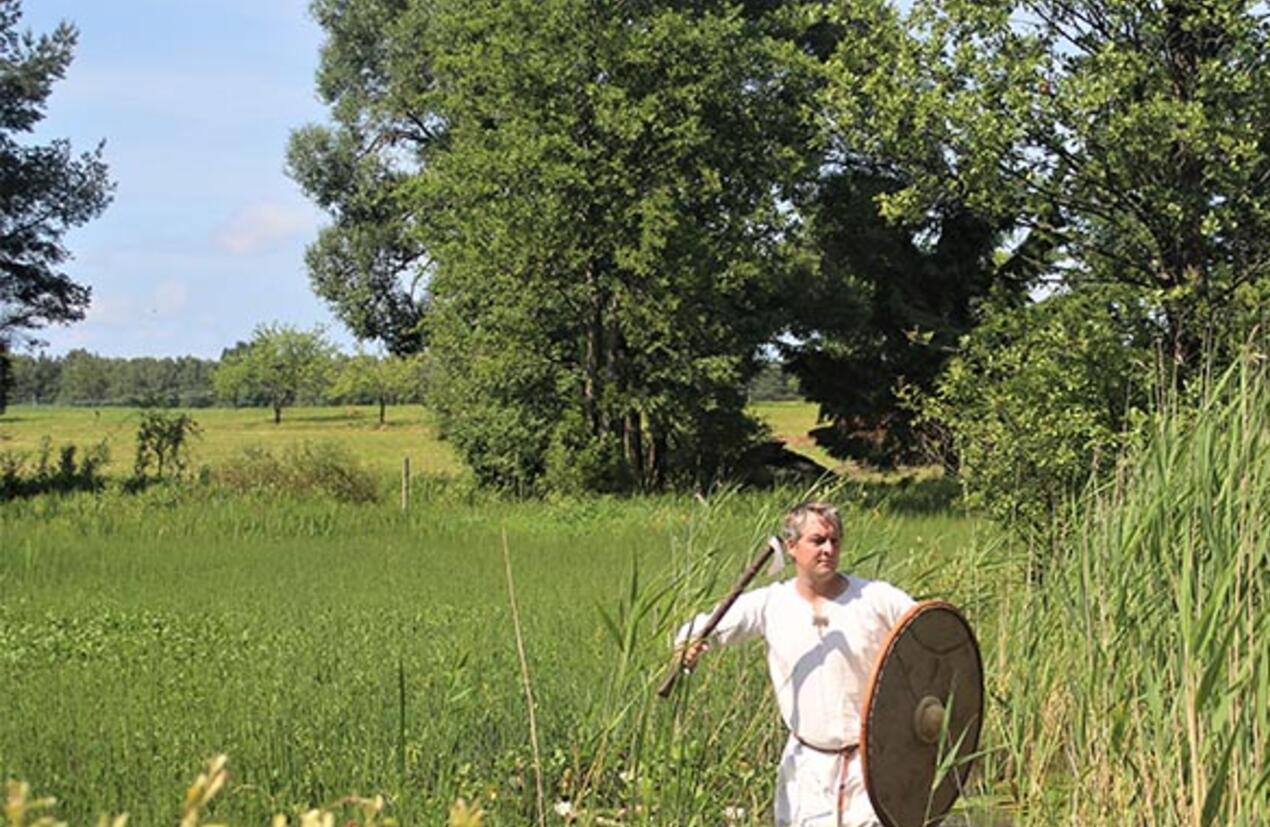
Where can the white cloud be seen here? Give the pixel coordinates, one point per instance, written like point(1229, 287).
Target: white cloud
point(113, 310)
point(259, 227)
point(170, 297)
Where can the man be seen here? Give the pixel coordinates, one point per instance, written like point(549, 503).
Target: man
point(823, 631)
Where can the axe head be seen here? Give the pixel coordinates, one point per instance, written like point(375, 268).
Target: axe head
point(777, 564)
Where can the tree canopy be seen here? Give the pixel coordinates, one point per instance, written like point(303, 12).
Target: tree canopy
point(281, 365)
point(601, 197)
point(45, 190)
point(382, 380)
point(1133, 136)
point(1121, 150)
point(600, 219)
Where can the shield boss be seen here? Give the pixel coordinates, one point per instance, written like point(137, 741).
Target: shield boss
point(921, 716)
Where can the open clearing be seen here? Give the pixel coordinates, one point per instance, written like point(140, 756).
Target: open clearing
point(408, 431)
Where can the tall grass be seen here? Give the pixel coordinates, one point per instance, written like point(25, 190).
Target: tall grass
point(335, 649)
point(1135, 682)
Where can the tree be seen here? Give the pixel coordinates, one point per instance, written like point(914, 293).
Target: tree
point(281, 365)
point(1040, 398)
point(36, 379)
point(369, 264)
point(772, 383)
point(44, 190)
point(602, 198)
point(85, 379)
point(387, 380)
point(1132, 135)
point(886, 305)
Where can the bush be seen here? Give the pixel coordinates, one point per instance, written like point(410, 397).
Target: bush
point(43, 476)
point(1041, 397)
point(577, 462)
point(305, 468)
point(162, 446)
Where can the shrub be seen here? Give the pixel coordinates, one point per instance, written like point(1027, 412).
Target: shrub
point(304, 468)
point(1040, 397)
point(578, 462)
point(43, 476)
point(162, 445)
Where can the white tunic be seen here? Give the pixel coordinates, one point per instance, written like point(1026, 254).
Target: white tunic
point(820, 668)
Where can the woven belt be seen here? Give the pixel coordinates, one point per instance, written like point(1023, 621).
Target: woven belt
point(845, 752)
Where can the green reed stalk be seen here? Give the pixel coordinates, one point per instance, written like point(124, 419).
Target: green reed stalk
point(1139, 662)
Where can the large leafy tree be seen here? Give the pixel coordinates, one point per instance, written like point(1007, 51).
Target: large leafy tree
point(879, 315)
point(1133, 135)
point(602, 194)
point(368, 263)
point(1127, 143)
point(44, 189)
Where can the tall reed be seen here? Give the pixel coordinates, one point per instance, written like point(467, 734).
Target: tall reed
point(1135, 682)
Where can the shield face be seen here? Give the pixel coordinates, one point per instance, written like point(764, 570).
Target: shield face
point(921, 717)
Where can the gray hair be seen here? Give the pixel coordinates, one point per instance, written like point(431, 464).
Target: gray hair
point(797, 516)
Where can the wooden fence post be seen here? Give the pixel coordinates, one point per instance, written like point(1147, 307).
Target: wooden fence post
point(405, 483)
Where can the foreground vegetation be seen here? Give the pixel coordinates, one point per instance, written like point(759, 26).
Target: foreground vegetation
point(335, 650)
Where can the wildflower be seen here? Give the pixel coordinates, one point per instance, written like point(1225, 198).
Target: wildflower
point(461, 815)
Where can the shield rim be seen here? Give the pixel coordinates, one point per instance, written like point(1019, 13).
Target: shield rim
point(887, 646)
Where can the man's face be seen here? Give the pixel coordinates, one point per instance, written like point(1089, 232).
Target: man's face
point(815, 552)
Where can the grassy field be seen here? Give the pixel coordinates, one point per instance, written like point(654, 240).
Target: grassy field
point(334, 650)
point(225, 432)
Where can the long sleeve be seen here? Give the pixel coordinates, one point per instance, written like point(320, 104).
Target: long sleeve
point(743, 621)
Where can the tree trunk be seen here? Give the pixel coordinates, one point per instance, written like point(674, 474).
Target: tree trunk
point(381, 410)
point(592, 384)
point(277, 414)
point(6, 375)
point(634, 446)
point(656, 456)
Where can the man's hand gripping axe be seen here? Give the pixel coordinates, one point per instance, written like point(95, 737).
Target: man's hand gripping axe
point(774, 549)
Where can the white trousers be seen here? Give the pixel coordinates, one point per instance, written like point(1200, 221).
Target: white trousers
point(807, 789)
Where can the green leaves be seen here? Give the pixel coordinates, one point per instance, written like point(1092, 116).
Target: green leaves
point(1129, 133)
point(281, 364)
point(594, 203)
point(45, 190)
point(1041, 398)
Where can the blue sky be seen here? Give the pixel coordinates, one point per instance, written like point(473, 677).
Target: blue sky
point(205, 238)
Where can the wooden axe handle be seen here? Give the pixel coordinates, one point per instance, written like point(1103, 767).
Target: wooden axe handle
point(750, 573)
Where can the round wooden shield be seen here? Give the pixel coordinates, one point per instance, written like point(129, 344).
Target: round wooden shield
point(922, 712)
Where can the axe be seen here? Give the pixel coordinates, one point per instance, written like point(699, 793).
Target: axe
point(773, 549)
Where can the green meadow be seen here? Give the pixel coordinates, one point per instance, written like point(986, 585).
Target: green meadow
point(336, 651)
point(224, 433)
point(333, 649)
point(408, 431)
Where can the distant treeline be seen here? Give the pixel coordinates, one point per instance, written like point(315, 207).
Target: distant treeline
point(83, 378)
